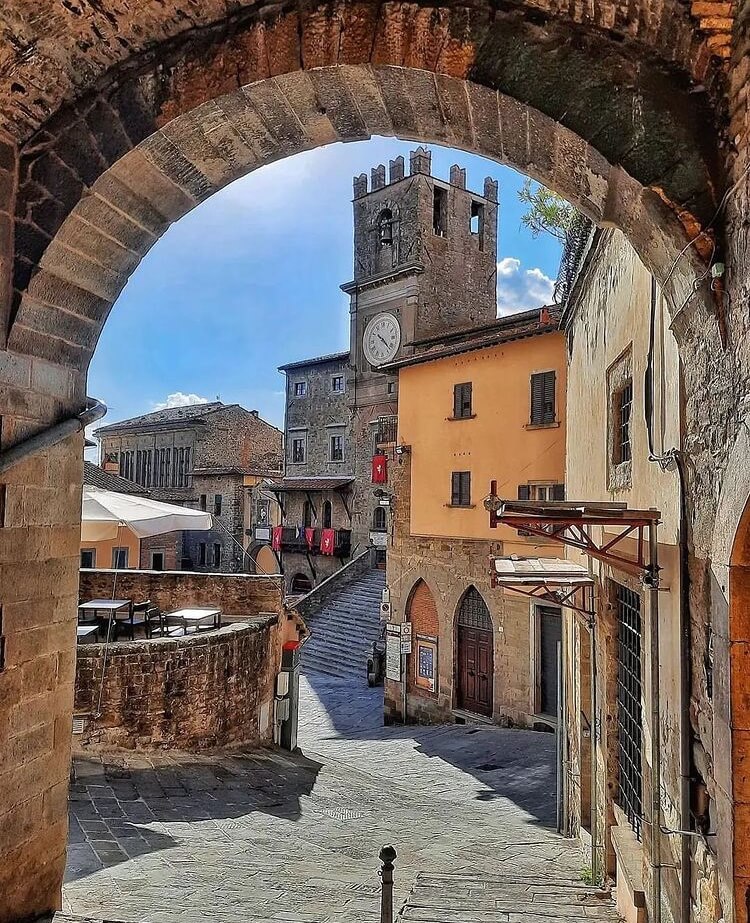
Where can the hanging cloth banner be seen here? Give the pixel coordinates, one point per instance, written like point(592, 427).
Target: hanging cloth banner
point(310, 538)
point(301, 533)
point(379, 469)
point(327, 541)
point(276, 538)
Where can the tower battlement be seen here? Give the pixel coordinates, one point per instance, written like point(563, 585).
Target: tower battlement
point(420, 163)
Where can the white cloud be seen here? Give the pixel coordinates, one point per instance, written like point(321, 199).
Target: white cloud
point(521, 289)
point(179, 399)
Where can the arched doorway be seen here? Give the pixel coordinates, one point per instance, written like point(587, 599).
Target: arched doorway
point(301, 583)
point(474, 660)
point(266, 561)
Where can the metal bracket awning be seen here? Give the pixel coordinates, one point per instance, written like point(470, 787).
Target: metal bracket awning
point(549, 580)
point(570, 522)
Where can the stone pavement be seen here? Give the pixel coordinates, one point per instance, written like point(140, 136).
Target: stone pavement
point(263, 835)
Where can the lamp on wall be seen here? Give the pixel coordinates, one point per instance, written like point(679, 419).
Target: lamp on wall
point(403, 450)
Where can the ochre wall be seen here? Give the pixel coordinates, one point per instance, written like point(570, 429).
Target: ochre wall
point(496, 444)
point(103, 549)
point(193, 693)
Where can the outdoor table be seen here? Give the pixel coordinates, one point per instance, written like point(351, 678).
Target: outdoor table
point(84, 632)
point(106, 605)
point(196, 615)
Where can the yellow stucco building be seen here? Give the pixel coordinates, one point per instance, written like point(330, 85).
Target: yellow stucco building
point(475, 407)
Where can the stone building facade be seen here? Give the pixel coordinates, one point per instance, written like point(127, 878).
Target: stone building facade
point(198, 456)
point(468, 415)
point(622, 440)
point(425, 255)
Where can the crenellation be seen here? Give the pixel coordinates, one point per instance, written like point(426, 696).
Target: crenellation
point(377, 175)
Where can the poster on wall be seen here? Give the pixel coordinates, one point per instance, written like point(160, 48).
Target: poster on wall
point(426, 664)
point(393, 653)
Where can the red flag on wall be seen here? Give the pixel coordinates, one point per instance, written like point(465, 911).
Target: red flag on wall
point(379, 469)
point(276, 538)
point(310, 538)
point(327, 541)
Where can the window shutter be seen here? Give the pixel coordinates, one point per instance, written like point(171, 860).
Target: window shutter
point(466, 487)
point(543, 397)
point(456, 488)
point(466, 400)
point(457, 400)
point(558, 491)
point(549, 397)
point(523, 491)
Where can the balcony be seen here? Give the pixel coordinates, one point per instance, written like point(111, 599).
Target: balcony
point(292, 543)
point(387, 431)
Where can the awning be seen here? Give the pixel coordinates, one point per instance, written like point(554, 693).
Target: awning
point(569, 522)
point(105, 512)
point(550, 580)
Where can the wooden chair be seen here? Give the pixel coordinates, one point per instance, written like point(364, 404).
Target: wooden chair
point(171, 625)
point(154, 621)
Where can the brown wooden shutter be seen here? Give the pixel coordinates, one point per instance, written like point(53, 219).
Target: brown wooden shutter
point(523, 491)
point(462, 400)
point(549, 397)
point(466, 487)
point(456, 488)
point(543, 397)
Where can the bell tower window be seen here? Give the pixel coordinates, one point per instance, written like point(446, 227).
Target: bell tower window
point(385, 228)
point(439, 211)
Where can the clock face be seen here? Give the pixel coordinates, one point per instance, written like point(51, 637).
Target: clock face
point(382, 339)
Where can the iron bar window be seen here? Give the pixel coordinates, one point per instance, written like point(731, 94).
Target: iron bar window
point(629, 708)
point(624, 406)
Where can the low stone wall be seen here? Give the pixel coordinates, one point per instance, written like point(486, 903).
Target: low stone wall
point(237, 595)
point(198, 692)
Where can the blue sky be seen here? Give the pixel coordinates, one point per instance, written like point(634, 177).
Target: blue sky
point(250, 280)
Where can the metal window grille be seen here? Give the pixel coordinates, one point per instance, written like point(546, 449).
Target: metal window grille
point(473, 611)
point(629, 711)
point(386, 433)
point(624, 411)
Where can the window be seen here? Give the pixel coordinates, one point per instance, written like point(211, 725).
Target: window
point(300, 388)
point(462, 401)
point(337, 384)
point(88, 557)
point(157, 560)
point(202, 553)
point(217, 504)
point(476, 222)
point(629, 713)
point(327, 515)
point(217, 554)
point(119, 558)
point(542, 398)
point(385, 228)
point(439, 211)
point(203, 502)
point(337, 448)
point(262, 512)
point(308, 514)
point(379, 521)
point(298, 450)
point(461, 488)
point(391, 387)
point(623, 411)
point(541, 492)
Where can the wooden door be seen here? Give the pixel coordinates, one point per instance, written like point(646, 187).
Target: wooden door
point(474, 670)
point(550, 634)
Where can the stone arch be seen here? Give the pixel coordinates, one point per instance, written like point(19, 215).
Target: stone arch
point(421, 610)
point(473, 611)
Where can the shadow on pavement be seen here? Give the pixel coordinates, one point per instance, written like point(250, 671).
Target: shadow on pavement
point(509, 763)
point(115, 810)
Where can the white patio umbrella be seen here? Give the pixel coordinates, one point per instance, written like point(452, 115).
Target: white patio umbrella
point(104, 513)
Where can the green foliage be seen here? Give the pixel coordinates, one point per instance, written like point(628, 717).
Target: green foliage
point(587, 876)
point(547, 212)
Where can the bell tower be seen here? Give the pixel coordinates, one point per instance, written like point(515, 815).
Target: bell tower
point(425, 259)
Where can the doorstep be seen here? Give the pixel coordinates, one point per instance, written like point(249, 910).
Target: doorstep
point(469, 717)
point(629, 891)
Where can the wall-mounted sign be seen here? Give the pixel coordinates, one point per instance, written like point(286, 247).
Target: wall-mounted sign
point(393, 654)
point(426, 664)
point(379, 539)
point(406, 637)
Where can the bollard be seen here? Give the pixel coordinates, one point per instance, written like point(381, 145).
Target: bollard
point(387, 855)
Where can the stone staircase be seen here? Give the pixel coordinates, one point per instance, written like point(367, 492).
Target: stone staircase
point(480, 898)
point(343, 628)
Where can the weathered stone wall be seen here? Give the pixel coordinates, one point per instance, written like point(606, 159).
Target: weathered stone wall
point(239, 437)
point(237, 595)
point(231, 537)
point(206, 690)
point(169, 544)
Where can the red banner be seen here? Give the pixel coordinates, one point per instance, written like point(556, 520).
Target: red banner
point(310, 538)
point(276, 538)
point(327, 541)
point(379, 469)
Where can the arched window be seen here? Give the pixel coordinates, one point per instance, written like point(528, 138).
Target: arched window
point(301, 583)
point(327, 515)
point(385, 228)
point(473, 611)
point(379, 519)
point(307, 514)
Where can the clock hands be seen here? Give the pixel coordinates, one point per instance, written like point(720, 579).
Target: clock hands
point(387, 345)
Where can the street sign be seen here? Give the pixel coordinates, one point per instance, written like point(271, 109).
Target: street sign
point(406, 637)
point(393, 655)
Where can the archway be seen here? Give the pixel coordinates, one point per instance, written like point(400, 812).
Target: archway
point(113, 125)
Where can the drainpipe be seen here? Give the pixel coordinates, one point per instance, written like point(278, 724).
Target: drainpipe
point(593, 819)
point(653, 591)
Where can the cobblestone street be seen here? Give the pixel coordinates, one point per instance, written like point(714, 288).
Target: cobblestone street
point(262, 836)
